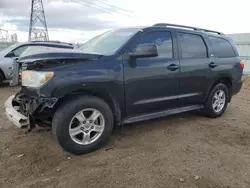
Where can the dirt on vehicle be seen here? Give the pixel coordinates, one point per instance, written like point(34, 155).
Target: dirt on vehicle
point(186, 150)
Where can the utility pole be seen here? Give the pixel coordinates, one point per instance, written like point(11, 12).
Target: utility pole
point(38, 30)
point(4, 35)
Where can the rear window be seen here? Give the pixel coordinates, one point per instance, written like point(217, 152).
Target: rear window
point(221, 47)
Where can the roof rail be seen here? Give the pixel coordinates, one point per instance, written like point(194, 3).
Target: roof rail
point(46, 41)
point(54, 41)
point(187, 27)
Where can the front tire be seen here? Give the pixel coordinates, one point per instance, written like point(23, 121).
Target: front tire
point(83, 125)
point(217, 101)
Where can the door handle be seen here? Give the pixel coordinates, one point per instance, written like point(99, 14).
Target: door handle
point(173, 67)
point(212, 65)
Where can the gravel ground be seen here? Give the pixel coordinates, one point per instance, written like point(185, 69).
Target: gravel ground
point(185, 150)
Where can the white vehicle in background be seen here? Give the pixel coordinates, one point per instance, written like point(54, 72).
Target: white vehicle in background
point(12, 52)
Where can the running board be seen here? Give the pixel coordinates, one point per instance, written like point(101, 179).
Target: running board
point(161, 114)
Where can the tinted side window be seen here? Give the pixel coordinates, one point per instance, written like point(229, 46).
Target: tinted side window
point(221, 47)
point(192, 46)
point(162, 39)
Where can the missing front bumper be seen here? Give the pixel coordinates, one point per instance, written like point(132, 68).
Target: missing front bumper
point(13, 115)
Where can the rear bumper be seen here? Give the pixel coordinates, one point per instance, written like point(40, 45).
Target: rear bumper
point(236, 87)
point(13, 115)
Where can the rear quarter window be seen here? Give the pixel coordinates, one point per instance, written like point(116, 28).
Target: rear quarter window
point(221, 47)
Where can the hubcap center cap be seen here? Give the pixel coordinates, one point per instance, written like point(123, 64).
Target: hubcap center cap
point(86, 126)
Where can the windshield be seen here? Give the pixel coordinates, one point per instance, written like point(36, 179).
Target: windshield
point(109, 42)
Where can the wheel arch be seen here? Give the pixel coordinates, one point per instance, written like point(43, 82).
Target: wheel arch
point(102, 94)
point(227, 80)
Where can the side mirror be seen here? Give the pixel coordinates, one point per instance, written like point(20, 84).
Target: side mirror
point(145, 50)
point(10, 54)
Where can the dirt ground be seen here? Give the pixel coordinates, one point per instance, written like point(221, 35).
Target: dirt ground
point(185, 150)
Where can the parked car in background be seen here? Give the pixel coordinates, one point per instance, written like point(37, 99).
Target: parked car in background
point(123, 76)
point(8, 54)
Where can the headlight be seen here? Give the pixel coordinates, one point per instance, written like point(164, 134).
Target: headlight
point(35, 79)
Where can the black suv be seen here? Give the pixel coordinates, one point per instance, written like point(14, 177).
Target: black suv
point(124, 76)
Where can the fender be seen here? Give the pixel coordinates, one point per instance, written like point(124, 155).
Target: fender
point(102, 94)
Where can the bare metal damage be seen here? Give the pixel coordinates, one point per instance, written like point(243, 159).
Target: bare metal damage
point(31, 105)
point(20, 110)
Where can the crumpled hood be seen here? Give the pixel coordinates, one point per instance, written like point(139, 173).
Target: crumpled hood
point(55, 53)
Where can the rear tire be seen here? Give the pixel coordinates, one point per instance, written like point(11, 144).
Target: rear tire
point(67, 115)
point(217, 101)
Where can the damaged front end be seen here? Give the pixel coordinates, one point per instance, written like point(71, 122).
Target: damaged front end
point(38, 58)
point(28, 111)
point(35, 105)
point(13, 114)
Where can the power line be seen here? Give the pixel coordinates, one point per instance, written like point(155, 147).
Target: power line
point(99, 7)
point(105, 8)
point(84, 4)
point(114, 6)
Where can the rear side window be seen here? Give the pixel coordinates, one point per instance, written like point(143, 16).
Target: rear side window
point(192, 46)
point(221, 47)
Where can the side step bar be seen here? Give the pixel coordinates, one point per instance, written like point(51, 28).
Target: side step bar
point(162, 113)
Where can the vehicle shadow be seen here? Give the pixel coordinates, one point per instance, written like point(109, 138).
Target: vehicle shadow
point(154, 124)
point(7, 85)
point(4, 85)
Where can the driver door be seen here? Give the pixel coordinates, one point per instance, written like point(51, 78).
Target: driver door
point(150, 85)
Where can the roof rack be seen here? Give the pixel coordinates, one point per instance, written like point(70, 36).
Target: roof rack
point(187, 27)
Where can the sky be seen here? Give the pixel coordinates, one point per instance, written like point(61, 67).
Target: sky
point(79, 20)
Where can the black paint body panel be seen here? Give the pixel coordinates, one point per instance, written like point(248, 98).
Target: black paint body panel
point(142, 85)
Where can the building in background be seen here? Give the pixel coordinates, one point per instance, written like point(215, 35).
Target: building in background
point(242, 41)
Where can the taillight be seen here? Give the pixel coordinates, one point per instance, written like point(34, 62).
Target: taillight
point(242, 64)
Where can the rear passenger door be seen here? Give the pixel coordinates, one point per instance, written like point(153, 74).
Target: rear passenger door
point(195, 70)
